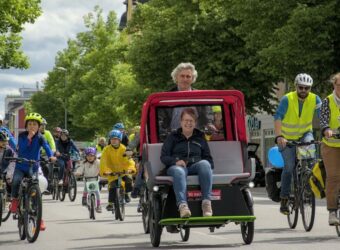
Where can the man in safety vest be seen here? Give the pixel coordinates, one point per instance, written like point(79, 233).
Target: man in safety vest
point(293, 122)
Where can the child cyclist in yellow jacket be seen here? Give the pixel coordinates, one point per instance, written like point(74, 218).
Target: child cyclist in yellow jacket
point(114, 159)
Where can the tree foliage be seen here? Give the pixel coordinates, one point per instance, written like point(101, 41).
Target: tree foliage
point(96, 81)
point(13, 15)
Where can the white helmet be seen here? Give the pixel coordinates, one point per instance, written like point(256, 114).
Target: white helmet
point(1, 118)
point(42, 183)
point(304, 79)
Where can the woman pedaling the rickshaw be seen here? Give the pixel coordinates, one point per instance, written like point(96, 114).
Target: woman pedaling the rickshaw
point(114, 159)
point(186, 152)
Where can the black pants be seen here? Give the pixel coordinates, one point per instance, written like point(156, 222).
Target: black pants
point(112, 187)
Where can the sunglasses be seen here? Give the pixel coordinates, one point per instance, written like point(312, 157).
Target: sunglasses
point(306, 88)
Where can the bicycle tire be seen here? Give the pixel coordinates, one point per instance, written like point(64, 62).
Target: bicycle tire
point(337, 228)
point(6, 212)
point(62, 192)
point(307, 207)
point(145, 210)
point(92, 207)
point(1, 205)
point(185, 233)
point(33, 213)
point(118, 201)
point(293, 214)
point(72, 187)
point(21, 227)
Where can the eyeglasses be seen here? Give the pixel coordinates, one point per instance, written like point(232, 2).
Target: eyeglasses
point(306, 88)
point(188, 121)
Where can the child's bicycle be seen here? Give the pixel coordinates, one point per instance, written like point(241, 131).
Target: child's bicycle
point(119, 201)
point(92, 187)
point(30, 204)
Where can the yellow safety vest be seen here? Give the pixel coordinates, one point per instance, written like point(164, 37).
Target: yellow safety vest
point(334, 122)
point(294, 127)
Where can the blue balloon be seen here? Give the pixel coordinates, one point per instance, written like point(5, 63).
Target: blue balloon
point(275, 157)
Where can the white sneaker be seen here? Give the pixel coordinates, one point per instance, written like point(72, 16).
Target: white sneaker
point(206, 208)
point(61, 182)
point(332, 219)
point(184, 210)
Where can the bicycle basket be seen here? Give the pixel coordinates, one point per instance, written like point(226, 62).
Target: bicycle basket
point(306, 152)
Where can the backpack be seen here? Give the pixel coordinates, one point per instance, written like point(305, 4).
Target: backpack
point(317, 180)
point(273, 181)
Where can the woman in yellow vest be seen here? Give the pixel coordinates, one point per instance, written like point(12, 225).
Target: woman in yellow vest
point(330, 147)
point(293, 122)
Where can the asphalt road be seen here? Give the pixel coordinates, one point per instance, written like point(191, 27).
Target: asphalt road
point(69, 227)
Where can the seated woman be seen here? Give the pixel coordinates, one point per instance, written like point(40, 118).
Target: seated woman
point(186, 152)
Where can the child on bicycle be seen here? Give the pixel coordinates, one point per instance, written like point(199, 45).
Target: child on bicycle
point(90, 169)
point(114, 159)
point(29, 144)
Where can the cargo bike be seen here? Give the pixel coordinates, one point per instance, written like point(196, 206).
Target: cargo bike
point(233, 172)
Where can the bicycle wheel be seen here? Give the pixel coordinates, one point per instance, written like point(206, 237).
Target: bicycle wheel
point(155, 216)
point(62, 192)
point(145, 210)
point(1, 207)
point(21, 227)
point(33, 213)
point(6, 213)
point(92, 207)
point(120, 204)
point(185, 233)
point(72, 187)
point(307, 207)
point(293, 214)
point(247, 228)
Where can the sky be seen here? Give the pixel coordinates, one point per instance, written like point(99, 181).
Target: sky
point(61, 20)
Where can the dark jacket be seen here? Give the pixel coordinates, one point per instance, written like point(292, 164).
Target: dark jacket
point(7, 152)
point(65, 148)
point(178, 147)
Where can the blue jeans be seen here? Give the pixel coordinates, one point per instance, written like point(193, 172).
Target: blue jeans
point(289, 158)
point(61, 163)
point(204, 172)
point(17, 177)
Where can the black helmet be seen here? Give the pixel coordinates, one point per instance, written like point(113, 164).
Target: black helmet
point(3, 136)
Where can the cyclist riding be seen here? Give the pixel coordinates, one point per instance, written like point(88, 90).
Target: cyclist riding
point(114, 159)
point(293, 122)
point(330, 147)
point(64, 147)
point(50, 140)
point(89, 169)
point(29, 145)
point(125, 139)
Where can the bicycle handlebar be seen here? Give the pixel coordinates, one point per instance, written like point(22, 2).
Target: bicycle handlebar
point(117, 173)
point(21, 160)
point(300, 144)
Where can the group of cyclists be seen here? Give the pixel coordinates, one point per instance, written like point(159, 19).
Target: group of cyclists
point(293, 121)
point(36, 142)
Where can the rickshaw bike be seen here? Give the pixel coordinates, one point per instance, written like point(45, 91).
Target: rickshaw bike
point(232, 201)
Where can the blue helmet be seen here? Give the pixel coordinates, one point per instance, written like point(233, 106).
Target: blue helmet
point(118, 125)
point(116, 134)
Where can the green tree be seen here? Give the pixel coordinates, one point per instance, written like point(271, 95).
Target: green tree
point(166, 33)
point(98, 83)
point(13, 15)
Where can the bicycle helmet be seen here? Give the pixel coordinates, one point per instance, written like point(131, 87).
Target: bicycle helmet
point(116, 134)
point(65, 132)
point(90, 151)
point(34, 117)
point(216, 109)
point(118, 125)
point(57, 129)
point(304, 79)
point(3, 136)
point(44, 122)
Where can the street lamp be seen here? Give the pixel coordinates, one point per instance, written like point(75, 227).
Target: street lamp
point(65, 101)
